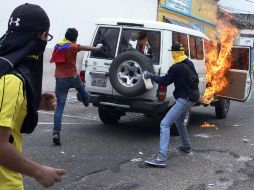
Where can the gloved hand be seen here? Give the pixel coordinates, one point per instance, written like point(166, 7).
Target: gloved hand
point(99, 47)
point(147, 75)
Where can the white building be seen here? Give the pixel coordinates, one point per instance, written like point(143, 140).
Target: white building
point(246, 37)
point(80, 14)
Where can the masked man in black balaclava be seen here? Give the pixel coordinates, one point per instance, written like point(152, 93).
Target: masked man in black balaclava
point(21, 66)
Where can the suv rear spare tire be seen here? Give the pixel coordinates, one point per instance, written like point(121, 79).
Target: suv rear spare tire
point(125, 73)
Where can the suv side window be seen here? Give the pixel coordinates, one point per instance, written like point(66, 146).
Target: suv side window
point(144, 41)
point(199, 47)
point(108, 37)
point(182, 39)
point(196, 48)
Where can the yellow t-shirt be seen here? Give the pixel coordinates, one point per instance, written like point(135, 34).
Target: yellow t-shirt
point(13, 109)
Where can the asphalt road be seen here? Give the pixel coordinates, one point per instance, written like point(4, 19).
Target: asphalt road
point(100, 157)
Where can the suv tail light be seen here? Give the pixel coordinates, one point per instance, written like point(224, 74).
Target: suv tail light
point(161, 93)
point(82, 75)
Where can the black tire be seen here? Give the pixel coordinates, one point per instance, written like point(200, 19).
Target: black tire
point(108, 114)
point(129, 65)
point(222, 108)
point(173, 129)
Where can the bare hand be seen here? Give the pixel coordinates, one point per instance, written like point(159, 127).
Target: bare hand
point(47, 176)
point(48, 102)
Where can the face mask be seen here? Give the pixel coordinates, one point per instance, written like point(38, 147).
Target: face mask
point(40, 46)
point(178, 56)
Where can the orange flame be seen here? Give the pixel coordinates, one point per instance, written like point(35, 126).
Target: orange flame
point(218, 58)
point(207, 125)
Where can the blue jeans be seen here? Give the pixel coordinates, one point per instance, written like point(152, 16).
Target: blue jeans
point(62, 87)
point(175, 115)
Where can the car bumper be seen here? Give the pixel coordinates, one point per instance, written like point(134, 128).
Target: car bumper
point(128, 104)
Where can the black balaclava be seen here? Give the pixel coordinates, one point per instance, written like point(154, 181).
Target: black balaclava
point(20, 48)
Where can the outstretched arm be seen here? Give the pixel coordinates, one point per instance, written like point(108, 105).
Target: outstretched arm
point(162, 80)
point(11, 159)
point(88, 48)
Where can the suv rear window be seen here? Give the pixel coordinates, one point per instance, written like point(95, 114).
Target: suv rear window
point(108, 37)
point(144, 41)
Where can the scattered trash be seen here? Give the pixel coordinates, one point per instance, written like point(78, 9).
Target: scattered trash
point(245, 140)
point(236, 125)
point(207, 125)
point(141, 153)
point(202, 136)
point(47, 130)
point(136, 160)
point(62, 152)
point(244, 158)
point(211, 184)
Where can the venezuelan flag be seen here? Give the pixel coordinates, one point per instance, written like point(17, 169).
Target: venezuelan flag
point(58, 55)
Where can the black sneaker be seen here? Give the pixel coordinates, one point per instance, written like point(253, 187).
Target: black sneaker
point(86, 104)
point(56, 139)
point(81, 100)
point(184, 149)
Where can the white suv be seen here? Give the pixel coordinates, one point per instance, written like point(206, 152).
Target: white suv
point(113, 76)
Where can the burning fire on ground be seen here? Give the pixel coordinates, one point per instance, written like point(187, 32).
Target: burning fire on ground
point(207, 125)
point(218, 58)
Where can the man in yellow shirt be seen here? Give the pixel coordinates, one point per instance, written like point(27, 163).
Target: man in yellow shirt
point(21, 52)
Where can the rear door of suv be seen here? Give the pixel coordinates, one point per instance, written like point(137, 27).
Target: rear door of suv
point(240, 75)
point(146, 41)
point(98, 63)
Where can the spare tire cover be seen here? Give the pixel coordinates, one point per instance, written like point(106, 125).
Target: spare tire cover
point(125, 73)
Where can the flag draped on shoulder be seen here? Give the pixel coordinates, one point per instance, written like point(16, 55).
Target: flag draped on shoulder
point(58, 55)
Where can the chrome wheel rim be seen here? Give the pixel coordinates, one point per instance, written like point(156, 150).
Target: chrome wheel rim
point(129, 73)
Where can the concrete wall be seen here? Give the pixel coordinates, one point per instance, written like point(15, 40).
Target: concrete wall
point(81, 14)
point(48, 83)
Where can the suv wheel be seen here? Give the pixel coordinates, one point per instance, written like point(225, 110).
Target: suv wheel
point(109, 115)
point(222, 108)
point(174, 131)
point(125, 73)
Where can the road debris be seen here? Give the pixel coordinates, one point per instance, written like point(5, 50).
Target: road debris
point(202, 136)
point(136, 160)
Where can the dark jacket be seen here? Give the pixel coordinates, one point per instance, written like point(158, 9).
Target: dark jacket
point(177, 75)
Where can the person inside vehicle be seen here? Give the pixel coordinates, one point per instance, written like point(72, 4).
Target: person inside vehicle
point(185, 78)
point(133, 40)
point(21, 66)
point(142, 43)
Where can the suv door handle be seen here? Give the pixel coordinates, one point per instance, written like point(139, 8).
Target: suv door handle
point(99, 74)
point(107, 63)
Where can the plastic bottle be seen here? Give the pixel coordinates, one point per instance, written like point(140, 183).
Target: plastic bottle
point(148, 83)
